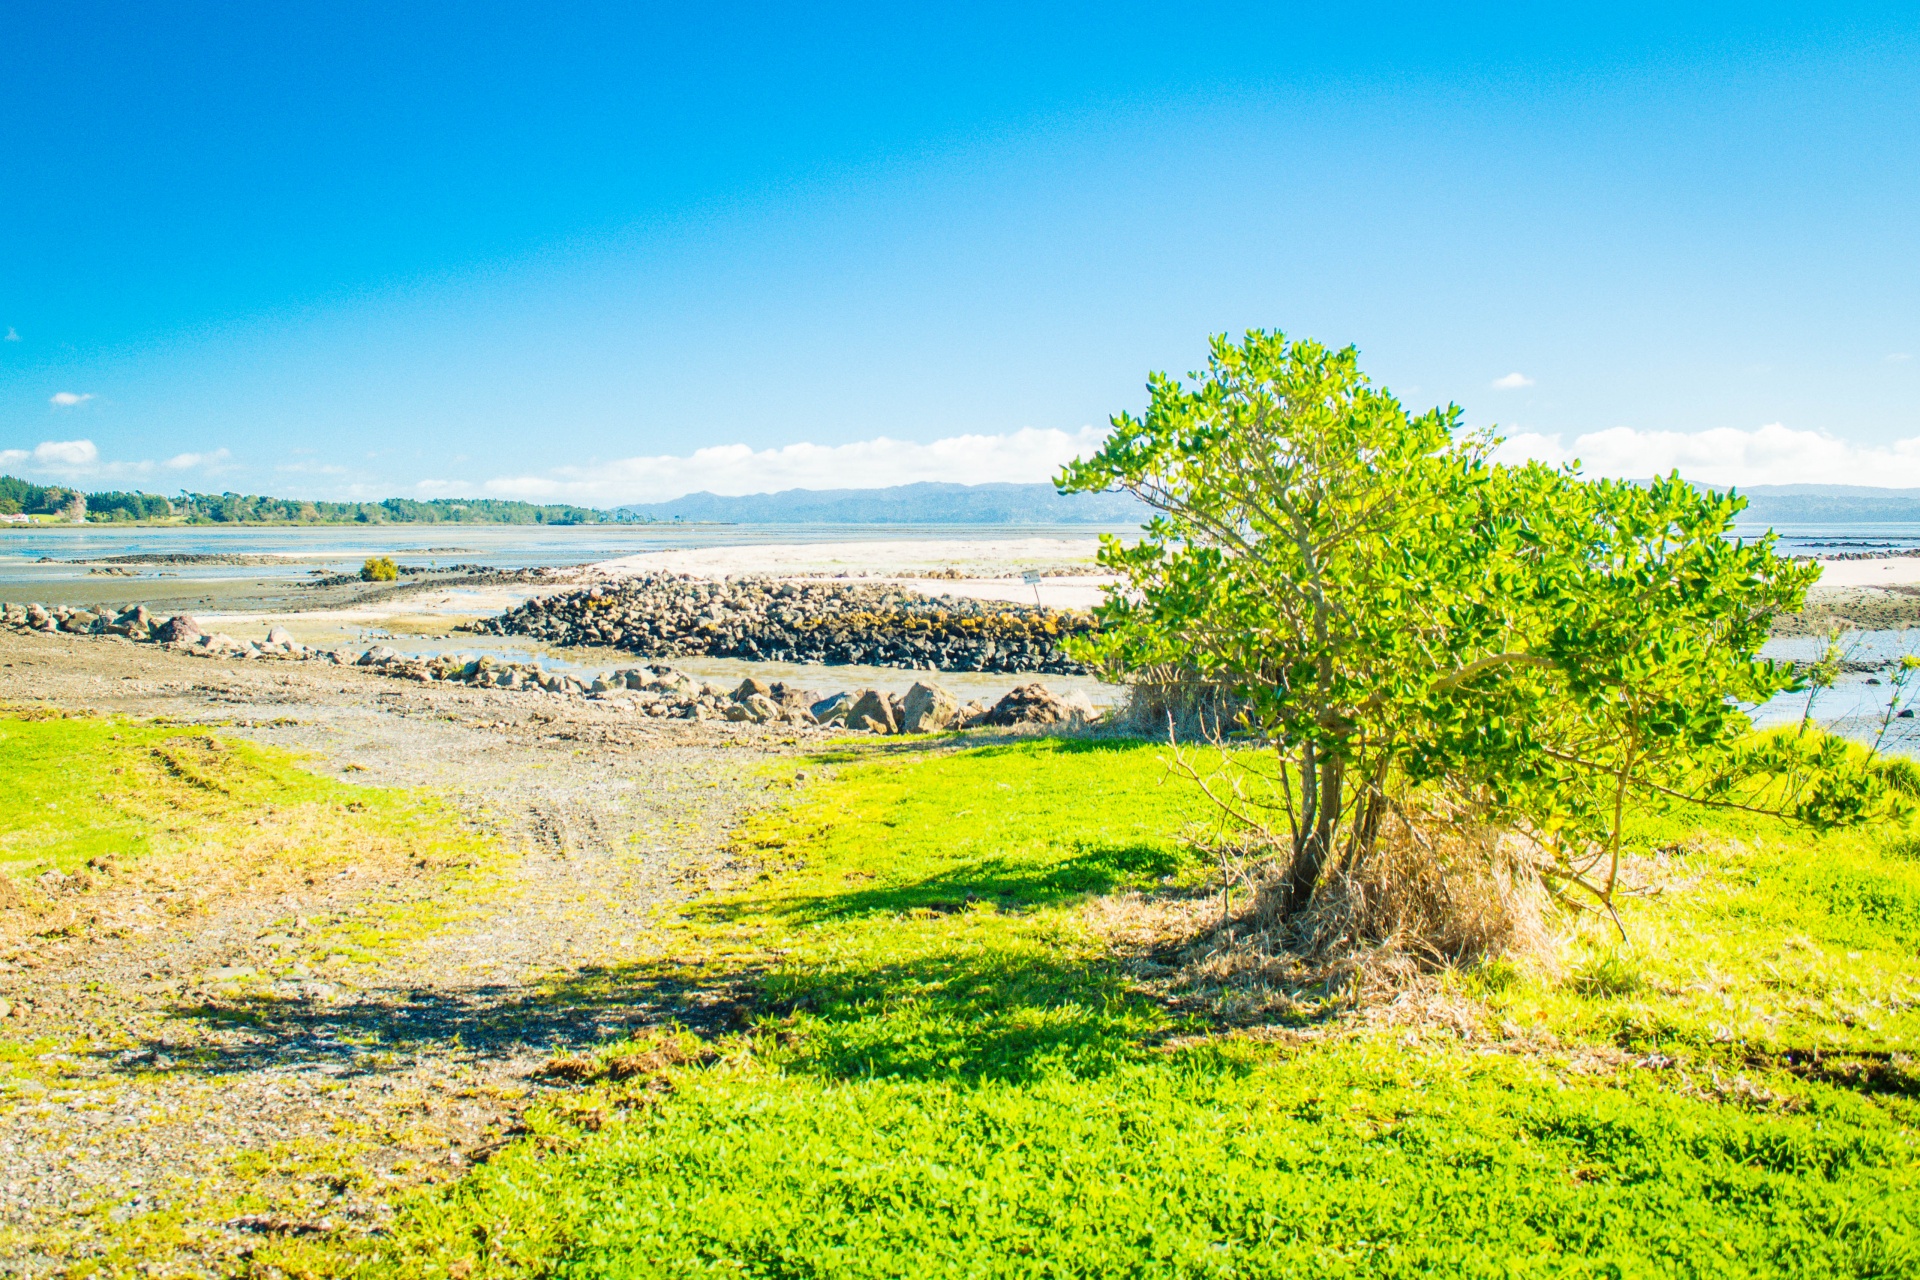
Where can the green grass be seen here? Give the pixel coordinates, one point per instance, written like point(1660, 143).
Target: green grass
point(82, 789)
point(947, 1073)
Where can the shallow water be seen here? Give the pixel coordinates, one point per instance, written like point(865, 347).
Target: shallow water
point(31, 555)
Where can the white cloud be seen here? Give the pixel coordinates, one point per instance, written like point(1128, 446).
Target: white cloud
point(1899, 357)
point(13, 335)
point(1512, 382)
point(1773, 454)
point(66, 460)
point(67, 454)
point(67, 399)
point(1019, 456)
point(181, 461)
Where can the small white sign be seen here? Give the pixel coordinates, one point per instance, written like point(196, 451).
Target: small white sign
point(1031, 579)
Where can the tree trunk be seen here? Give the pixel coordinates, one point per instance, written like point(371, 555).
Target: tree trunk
point(1318, 830)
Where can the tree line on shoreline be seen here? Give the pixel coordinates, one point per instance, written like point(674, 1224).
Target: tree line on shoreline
point(22, 497)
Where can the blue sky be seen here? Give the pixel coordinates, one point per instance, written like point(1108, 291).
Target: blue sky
point(613, 253)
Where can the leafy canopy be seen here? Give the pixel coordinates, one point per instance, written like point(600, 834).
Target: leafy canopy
point(1391, 608)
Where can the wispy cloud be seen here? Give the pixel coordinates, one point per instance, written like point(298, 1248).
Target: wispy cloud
point(13, 335)
point(1018, 456)
point(1773, 454)
point(1899, 357)
point(67, 399)
point(1512, 382)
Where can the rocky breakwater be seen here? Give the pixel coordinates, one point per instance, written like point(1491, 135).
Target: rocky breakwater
point(765, 619)
point(179, 632)
point(658, 690)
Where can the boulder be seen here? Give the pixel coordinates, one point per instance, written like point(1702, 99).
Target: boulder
point(927, 709)
point(738, 713)
point(871, 704)
point(80, 623)
point(832, 710)
point(279, 635)
point(178, 629)
point(870, 725)
point(1031, 703)
point(791, 697)
point(762, 708)
point(749, 687)
point(379, 655)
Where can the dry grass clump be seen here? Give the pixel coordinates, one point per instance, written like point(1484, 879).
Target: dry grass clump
point(1171, 700)
point(1432, 895)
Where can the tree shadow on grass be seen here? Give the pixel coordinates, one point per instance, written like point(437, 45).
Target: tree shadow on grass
point(1097, 866)
point(965, 1015)
point(961, 1013)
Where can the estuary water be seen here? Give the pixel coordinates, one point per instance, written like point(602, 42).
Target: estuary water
point(47, 554)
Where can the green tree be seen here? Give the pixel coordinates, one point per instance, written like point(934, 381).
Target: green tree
point(1394, 610)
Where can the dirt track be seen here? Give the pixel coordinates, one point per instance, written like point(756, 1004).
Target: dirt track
point(175, 1091)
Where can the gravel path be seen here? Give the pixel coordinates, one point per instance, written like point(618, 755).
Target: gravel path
point(173, 1090)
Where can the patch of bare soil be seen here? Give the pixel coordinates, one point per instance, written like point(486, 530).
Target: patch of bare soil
point(158, 1076)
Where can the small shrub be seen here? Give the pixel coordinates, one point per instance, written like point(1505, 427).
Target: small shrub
point(379, 569)
point(1605, 975)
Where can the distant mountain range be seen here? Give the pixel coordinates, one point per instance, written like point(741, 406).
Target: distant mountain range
point(929, 503)
point(1778, 504)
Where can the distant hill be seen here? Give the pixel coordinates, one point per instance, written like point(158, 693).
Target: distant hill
point(927, 503)
point(1775, 504)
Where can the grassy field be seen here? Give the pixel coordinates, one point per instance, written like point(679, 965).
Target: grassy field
point(946, 1068)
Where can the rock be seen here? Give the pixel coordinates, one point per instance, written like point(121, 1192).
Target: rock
point(179, 629)
point(377, 656)
point(871, 704)
point(791, 698)
point(928, 708)
point(80, 623)
point(749, 687)
point(1032, 703)
point(762, 708)
point(871, 725)
point(738, 713)
point(279, 635)
point(601, 684)
point(832, 710)
point(974, 713)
